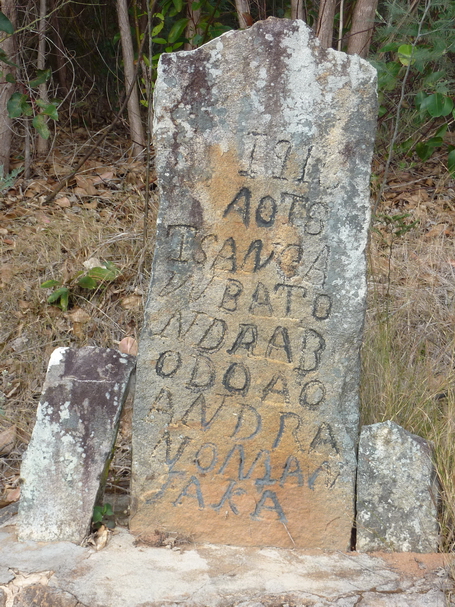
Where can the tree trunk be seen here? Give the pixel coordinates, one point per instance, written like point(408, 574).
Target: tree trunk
point(8, 8)
point(296, 9)
point(243, 13)
point(134, 115)
point(192, 28)
point(42, 145)
point(324, 28)
point(362, 27)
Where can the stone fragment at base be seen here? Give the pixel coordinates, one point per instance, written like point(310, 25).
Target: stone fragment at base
point(75, 430)
point(397, 491)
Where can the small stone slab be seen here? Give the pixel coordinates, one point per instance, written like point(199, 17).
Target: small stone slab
point(75, 430)
point(397, 491)
point(246, 408)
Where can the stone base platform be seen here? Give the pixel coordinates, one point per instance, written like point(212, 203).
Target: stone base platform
point(129, 574)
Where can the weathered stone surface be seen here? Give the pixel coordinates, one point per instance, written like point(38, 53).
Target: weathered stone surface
point(246, 406)
point(43, 596)
point(397, 491)
point(129, 573)
point(75, 430)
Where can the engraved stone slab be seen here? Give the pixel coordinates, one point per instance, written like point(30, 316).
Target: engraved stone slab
point(75, 430)
point(246, 408)
point(397, 491)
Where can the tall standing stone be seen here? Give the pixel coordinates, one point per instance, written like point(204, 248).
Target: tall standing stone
point(246, 410)
point(75, 430)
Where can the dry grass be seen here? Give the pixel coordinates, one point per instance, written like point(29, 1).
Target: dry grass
point(44, 242)
point(408, 354)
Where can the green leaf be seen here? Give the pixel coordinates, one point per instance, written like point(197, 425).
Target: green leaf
point(86, 282)
point(177, 30)
point(159, 41)
point(442, 130)
point(5, 24)
point(41, 77)
point(39, 122)
point(97, 514)
point(437, 105)
point(5, 59)
point(178, 4)
point(48, 284)
point(104, 274)
point(51, 111)
point(108, 510)
point(157, 29)
point(61, 294)
point(405, 54)
point(425, 149)
point(10, 78)
point(18, 105)
point(389, 48)
point(451, 162)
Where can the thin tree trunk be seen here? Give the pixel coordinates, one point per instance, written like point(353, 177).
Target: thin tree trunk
point(243, 13)
point(192, 28)
point(362, 27)
point(324, 28)
point(134, 116)
point(6, 89)
point(61, 59)
point(42, 145)
point(296, 9)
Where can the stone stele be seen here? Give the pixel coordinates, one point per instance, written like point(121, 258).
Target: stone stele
point(397, 491)
point(246, 408)
point(75, 430)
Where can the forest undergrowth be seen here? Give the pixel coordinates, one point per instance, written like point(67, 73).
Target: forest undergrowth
point(408, 354)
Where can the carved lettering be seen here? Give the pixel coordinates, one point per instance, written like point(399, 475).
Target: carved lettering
point(241, 205)
point(275, 507)
point(279, 345)
point(237, 379)
point(292, 469)
point(254, 417)
point(231, 295)
point(277, 385)
point(206, 457)
point(313, 345)
point(213, 338)
point(312, 395)
point(260, 304)
point(181, 242)
point(247, 338)
point(290, 290)
point(324, 437)
point(284, 417)
point(186, 493)
point(226, 258)
point(168, 364)
point(252, 260)
point(202, 375)
point(167, 442)
point(230, 492)
point(200, 403)
point(322, 307)
point(266, 212)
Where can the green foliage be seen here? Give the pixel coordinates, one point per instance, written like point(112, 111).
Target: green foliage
point(21, 104)
point(5, 24)
point(100, 514)
point(7, 181)
point(415, 53)
point(91, 279)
